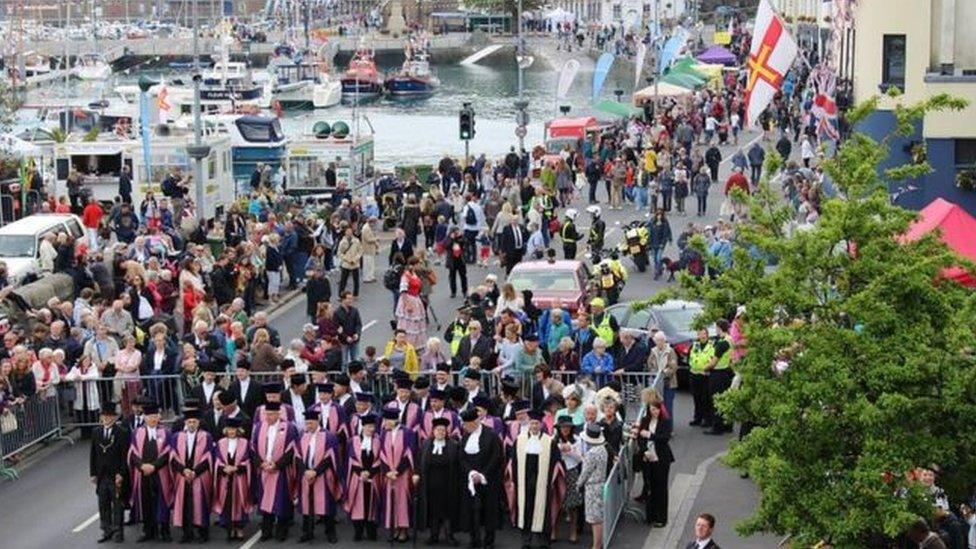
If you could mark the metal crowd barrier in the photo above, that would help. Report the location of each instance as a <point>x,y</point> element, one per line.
<point>80,408</point>
<point>620,481</point>
<point>23,425</point>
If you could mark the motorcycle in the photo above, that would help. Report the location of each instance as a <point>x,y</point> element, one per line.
<point>635,244</point>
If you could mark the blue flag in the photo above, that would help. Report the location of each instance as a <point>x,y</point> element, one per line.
<point>603,65</point>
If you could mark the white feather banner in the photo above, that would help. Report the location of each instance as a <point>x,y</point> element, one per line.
<point>566,76</point>
<point>639,63</point>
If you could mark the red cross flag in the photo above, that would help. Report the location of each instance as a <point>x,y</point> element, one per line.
<point>771,55</point>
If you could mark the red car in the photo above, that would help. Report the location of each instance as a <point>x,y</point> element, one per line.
<point>563,280</point>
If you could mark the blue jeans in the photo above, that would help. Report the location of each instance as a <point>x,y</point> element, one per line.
<point>640,197</point>
<point>350,352</point>
<point>657,254</point>
<point>669,399</point>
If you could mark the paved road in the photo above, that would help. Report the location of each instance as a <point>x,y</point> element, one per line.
<point>52,504</point>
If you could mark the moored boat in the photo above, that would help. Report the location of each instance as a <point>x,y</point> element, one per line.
<point>361,80</point>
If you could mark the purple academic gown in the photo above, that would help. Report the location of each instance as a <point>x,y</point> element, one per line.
<point>319,497</point>
<point>201,485</point>
<point>362,497</point>
<point>232,496</point>
<point>425,429</point>
<point>163,473</point>
<point>275,490</point>
<point>396,454</point>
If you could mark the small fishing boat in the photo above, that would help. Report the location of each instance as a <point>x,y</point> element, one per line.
<point>415,78</point>
<point>361,80</point>
<point>91,66</point>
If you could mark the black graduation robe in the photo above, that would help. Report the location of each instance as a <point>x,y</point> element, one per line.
<point>439,489</point>
<point>486,504</point>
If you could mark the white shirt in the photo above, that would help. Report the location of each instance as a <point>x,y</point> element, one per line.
<point>244,385</point>
<point>270,443</point>
<point>472,394</point>
<point>367,444</point>
<point>533,445</point>
<point>354,386</point>
<point>152,433</point>
<point>472,446</point>
<point>231,447</point>
<point>158,358</point>
<point>299,405</point>
<point>702,543</point>
<point>507,411</point>
<point>191,440</point>
<point>439,446</point>
<point>208,389</point>
<point>310,458</point>
<point>325,409</point>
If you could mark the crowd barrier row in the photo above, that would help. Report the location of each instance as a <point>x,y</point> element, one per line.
<point>24,424</point>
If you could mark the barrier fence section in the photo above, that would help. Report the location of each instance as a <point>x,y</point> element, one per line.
<point>25,424</point>
<point>620,482</point>
<point>80,399</point>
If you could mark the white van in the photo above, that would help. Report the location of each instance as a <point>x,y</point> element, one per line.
<point>20,241</point>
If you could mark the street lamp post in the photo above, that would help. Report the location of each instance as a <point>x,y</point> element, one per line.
<point>198,151</point>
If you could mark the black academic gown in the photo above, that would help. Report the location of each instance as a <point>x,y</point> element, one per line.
<point>485,507</point>
<point>531,463</point>
<point>439,490</point>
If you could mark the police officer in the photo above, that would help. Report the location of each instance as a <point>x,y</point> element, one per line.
<point>720,374</point>
<point>603,323</point>
<point>597,229</point>
<point>457,330</point>
<point>569,234</point>
<point>701,354</point>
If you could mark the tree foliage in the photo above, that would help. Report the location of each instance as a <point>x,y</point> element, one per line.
<point>881,376</point>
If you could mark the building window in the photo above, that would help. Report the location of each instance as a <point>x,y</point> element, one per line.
<point>893,61</point>
<point>617,12</point>
<point>965,153</point>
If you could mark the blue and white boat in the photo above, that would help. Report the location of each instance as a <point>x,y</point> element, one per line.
<point>300,82</point>
<point>414,79</point>
<point>361,80</point>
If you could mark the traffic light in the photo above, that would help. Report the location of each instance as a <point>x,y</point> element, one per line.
<point>466,123</point>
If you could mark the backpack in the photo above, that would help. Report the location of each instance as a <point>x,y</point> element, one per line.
<point>167,186</point>
<point>391,279</point>
<point>470,218</point>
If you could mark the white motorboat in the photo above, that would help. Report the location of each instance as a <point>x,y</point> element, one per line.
<point>36,64</point>
<point>91,66</point>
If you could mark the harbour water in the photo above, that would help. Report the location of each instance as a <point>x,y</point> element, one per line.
<point>418,130</point>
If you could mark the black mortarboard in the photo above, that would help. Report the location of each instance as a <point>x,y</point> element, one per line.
<point>235,422</point>
<point>150,408</point>
<point>521,406</point>
<point>226,398</point>
<point>355,366</point>
<point>443,367</point>
<point>469,415</point>
<point>191,413</point>
<point>422,382</point>
<point>441,422</point>
<point>481,401</point>
<point>341,379</point>
<point>368,419</point>
<point>272,407</point>
<point>510,388</point>
<point>273,387</point>
<point>109,409</point>
<point>459,394</point>
<point>311,414</point>
<point>391,413</point>
<point>364,397</point>
<point>471,373</point>
<point>564,421</point>
<point>437,394</point>
<point>325,387</point>
<point>298,379</point>
<point>404,383</point>
<point>537,415</point>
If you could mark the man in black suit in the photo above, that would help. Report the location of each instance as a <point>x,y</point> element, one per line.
<point>205,391</point>
<point>298,396</point>
<point>232,410</point>
<point>208,347</point>
<point>107,468</point>
<point>475,344</point>
<point>210,415</point>
<point>513,245</point>
<point>481,463</point>
<point>400,245</point>
<point>540,387</point>
<point>136,418</point>
<point>246,390</point>
<point>704,526</point>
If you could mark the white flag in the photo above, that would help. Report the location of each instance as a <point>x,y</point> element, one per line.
<point>566,76</point>
<point>639,62</point>
<point>770,57</point>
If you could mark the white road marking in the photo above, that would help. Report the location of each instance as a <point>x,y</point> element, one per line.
<point>88,522</point>
<point>252,541</point>
<point>369,325</point>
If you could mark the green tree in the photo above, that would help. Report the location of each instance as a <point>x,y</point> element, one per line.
<point>881,376</point>
<point>10,103</point>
